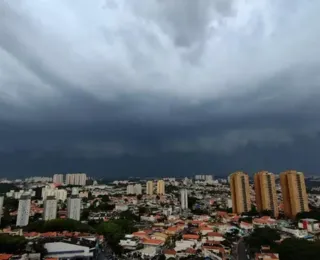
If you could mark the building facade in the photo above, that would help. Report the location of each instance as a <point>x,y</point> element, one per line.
<point>294,193</point>
<point>184,198</point>
<point>149,187</point>
<point>160,187</point>
<point>50,208</point>
<point>76,179</point>
<point>266,193</point>
<point>240,192</point>
<point>23,211</point>
<point>58,179</point>
<point>74,207</point>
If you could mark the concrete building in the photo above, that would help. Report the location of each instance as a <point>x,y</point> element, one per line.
<point>137,189</point>
<point>23,210</point>
<point>266,193</point>
<point>184,198</point>
<point>1,207</point>
<point>149,188</point>
<point>74,205</point>
<point>240,192</point>
<point>61,250</point>
<point>50,208</point>
<point>130,189</point>
<point>294,193</point>
<point>203,177</point>
<point>58,179</point>
<point>160,187</point>
<point>76,179</point>
<point>51,190</point>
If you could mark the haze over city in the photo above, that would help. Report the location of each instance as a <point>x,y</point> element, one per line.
<point>158,88</point>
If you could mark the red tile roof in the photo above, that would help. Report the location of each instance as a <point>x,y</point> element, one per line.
<point>170,252</point>
<point>191,251</point>
<point>190,236</point>
<point>5,256</point>
<point>153,242</point>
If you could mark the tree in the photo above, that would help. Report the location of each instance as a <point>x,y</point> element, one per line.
<point>12,244</point>
<point>261,237</point>
<point>58,225</point>
<point>314,214</point>
<point>296,249</point>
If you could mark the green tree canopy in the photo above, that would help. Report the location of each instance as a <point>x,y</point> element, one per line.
<point>12,244</point>
<point>59,225</point>
<point>299,249</point>
<point>261,237</point>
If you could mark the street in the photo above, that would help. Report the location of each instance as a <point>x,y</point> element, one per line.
<point>241,251</point>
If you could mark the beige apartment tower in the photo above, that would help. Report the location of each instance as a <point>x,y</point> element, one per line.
<point>240,192</point>
<point>294,193</point>
<point>160,187</point>
<point>149,188</point>
<point>266,194</point>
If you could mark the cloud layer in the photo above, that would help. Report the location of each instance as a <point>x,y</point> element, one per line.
<point>147,78</point>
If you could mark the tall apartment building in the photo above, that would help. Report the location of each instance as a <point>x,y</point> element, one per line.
<point>184,198</point>
<point>58,179</point>
<point>76,179</point>
<point>294,193</point>
<point>137,189</point>
<point>50,208</point>
<point>240,192</point>
<point>74,205</point>
<point>266,194</point>
<point>134,189</point>
<point>130,189</point>
<point>1,206</point>
<point>23,211</point>
<point>160,187</point>
<point>149,187</point>
<point>51,190</point>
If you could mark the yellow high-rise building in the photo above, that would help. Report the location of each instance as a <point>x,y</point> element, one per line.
<point>294,193</point>
<point>149,188</point>
<point>240,192</point>
<point>160,187</point>
<point>266,194</point>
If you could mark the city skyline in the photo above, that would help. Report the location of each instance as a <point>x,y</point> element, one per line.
<point>120,87</point>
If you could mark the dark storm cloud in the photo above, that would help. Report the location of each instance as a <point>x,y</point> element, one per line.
<point>157,80</point>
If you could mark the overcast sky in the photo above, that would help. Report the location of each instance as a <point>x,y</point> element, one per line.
<point>151,87</point>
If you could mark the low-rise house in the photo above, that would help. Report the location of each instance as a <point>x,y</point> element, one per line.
<point>6,256</point>
<point>170,253</point>
<point>155,243</point>
<point>264,221</point>
<point>205,230</point>
<point>311,225</point>
<point>266,256</point>
<point>214,236</point>
<point>191,237</point>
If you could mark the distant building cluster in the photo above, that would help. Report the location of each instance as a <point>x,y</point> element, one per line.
<point>78,179</point>
<point>293,189</point>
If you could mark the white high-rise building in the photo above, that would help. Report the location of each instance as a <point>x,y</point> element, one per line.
<point>76,179</point>
<point>23,211</point>
<point>130,189</point>
<point>137,189</point>
<point>1,206</point>
<point>50,208</point>
<point>51,190</point>
<point>58,179</point>
<point>184,198</point>
<point>74,205</point>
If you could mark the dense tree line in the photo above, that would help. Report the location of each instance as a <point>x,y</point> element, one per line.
<point>12,244</point>
<point>58,225</point>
